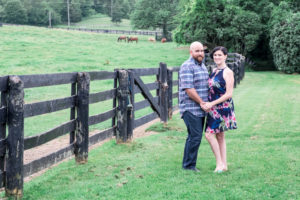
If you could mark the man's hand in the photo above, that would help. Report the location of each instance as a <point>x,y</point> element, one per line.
<point>204,107</point>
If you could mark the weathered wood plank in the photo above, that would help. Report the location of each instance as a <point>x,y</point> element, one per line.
<point>34,141</point>
<point>2,147</point>
<point>3,83</point>
<point>73,112</point>
<point>2,179</point>
<point>39,80</point>
<point>3,115</point>
<point>146,93</point>
<point>170,92</point>
<point>163,92</point>
<point>95,119</point>
<point>123,109</point>
<point>15,138</point>
<point>113,122</point>
<point>145,119</point>
<point>145,71</point>
<point>150,86</point>
<point>130,107</point>
<point>102,96</point>
<point>3,129</point>
<point>103,135</point>
<point>143,104</point>
<point>81,146</point>
<point>102,75</point>
<point>47,161</point>
<point>40,108</point>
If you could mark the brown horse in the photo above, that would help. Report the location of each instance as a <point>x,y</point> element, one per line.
<point>122,37</point>
<point>151,39</point>
<point>163,40</point>
<point>131,39</point>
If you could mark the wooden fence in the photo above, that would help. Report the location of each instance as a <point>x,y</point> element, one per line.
<point>127,83</point>
<point>156,34</point>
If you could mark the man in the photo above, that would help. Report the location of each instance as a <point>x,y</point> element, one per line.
<point>193,93</point>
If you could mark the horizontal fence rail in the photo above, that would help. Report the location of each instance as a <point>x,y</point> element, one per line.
<point>98,30</point>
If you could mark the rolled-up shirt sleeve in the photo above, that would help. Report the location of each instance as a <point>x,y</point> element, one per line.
<point>186,77</point>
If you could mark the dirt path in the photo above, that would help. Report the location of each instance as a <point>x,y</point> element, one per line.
<point>61,142</point>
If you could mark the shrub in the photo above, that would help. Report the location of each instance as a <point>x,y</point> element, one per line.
<point>14,12</point>
<point>285,43</point>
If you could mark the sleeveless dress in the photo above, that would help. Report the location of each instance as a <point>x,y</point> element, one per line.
<point>221,117</point>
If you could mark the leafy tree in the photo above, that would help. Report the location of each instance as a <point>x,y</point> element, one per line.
<point>243,30</point>
<point>99,6</point>
<point>1,13</point>
<point>218,23</point>
<point>202,20</point>
<point>86,7</point>
<point>37,11</point>
<point>75,11</point>
<point>154,14</point>
<point>14,12</point>
<point>285,40</point>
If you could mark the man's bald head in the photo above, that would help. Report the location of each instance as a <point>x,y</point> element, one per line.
<point>195,45</point>
<point>197,51</point>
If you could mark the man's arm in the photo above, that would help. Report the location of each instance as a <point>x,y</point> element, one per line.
<point>191,92</point>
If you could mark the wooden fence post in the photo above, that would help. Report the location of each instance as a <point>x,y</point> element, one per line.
<point>163,92</point>
<point>115,100</point>
<point>130,106</point>
<point>122,111</point>
<point>15,138</point>
<point>170,93</point>
<point>82,122</point>
<point>3,140</point>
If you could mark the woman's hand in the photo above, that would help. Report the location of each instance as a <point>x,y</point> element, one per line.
<point>205,106</point>
<point>209,105</point>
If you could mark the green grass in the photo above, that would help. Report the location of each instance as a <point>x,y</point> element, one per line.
<point>263,156</point>
<point>32,50</point>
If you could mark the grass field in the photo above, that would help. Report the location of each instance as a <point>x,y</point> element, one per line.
<point>263,153</point>
<point>31,50</point>
<point>263,156</point>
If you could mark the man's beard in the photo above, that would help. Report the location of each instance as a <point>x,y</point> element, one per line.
<point>199,58</point>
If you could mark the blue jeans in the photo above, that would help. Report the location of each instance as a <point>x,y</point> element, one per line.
<point>194,126</point>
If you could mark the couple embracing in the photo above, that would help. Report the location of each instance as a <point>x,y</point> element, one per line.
<point>202,95</point>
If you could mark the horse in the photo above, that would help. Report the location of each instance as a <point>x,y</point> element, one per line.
<point>131,39</point>
<point>122,37</point>
<point>151,39</point>
<point>163,40</point>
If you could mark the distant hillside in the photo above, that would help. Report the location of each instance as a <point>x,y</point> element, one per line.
<point>100,21</point>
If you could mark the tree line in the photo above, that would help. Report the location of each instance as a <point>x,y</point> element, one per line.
<point>36,12</point>
<point>268,31</point>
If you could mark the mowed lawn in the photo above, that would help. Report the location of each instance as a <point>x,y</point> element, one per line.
<point>32,50</point>
<point>263,156</point>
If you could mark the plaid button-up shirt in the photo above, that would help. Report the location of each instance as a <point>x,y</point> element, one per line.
<point>192,74</point>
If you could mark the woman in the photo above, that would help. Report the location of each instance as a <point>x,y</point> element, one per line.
<point>220,107</point>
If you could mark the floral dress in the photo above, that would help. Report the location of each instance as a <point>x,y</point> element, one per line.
<point>221,117</point>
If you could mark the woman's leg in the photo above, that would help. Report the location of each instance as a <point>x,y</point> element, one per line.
<point>222,145</point>
<point>216,150</point>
